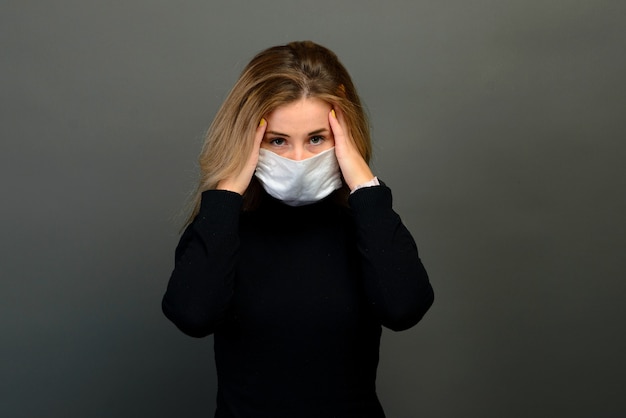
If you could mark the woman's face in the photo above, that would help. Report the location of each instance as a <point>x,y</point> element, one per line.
<point>299,130</point>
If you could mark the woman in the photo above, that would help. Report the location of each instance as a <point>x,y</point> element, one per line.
<point>293,257</point>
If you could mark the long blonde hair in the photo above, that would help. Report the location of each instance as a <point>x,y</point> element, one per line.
<point>276,76</point>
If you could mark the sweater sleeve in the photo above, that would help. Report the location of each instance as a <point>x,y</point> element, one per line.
<point>201,285</point>
<point>395,281</point>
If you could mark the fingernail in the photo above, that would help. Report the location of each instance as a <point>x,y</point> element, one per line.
<point>333,113</point>
<point>263,122</point>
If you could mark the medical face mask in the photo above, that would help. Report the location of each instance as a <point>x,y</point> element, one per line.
<point>298,183</point>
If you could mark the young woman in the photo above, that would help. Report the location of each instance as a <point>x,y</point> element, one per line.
<point>293,257</point>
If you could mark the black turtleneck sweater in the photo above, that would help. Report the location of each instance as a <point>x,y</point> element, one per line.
<point>295,298</point>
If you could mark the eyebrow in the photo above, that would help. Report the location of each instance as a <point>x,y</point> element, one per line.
<point>318,131</point>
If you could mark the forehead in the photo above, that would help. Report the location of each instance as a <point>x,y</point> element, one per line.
<point>300,114</point>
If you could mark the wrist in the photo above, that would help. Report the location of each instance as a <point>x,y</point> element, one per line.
<point>371,183</point>
<point>363,176</point>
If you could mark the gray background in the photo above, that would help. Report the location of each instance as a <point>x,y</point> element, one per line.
<point>498,124</point>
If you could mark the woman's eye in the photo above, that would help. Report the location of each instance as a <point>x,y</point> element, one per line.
<point>277,141</point>
<point>315,140</point>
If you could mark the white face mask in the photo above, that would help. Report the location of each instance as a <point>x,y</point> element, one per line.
<point>298,183</point>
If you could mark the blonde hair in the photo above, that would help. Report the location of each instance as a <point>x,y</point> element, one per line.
<point>276,76</point>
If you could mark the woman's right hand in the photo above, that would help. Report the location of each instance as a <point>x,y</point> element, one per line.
<point>239,182</point>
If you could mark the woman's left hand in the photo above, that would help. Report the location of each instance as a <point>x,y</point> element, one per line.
<point>353,167</point>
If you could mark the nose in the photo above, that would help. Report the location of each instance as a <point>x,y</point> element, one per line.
<point>298,153</point>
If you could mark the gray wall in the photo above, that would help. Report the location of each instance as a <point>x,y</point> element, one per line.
<point>498,124</point>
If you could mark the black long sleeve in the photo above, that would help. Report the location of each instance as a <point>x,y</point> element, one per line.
<point>397,283</point>
<point>201,285</point>
<point>296,297</point>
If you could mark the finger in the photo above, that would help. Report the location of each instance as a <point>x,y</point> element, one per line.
<point>353,167</point>
<point>258,138</point>
<point>338,113</point>
<point>336,126</point>
<point>260,131</point>
<point>344,143</point>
